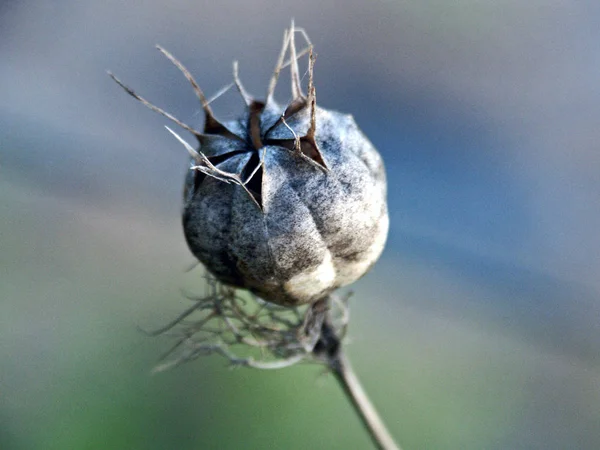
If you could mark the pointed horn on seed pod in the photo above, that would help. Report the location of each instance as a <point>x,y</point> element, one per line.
<point>278,67</point>
<point>248,99</point>
<point>205,166</point>
<point>211,124</point>
<point>294,71</point>
<point>153,107</point>
<point>306,146</point>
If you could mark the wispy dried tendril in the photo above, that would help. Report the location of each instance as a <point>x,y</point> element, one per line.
<point>248,331</point>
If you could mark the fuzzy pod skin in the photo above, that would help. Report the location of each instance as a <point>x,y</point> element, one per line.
<point>317,230</point>
<point>287,202</point>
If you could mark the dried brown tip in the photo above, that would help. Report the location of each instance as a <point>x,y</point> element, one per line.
<point>238,84</point>
<point>289,43</point>
<point>205,166</point>
<point>302,52</point>
<point>220,92</point>
<point>294,71</point>
<point>299,55</point>
<point>305,146</point>
<point>211,124</point>
<point>190,78</point>
<point>311,71</point>
<point>153,107</point>
<point>299,101</point>
<point>278,67</point>
<point>309,144</point>
<point>312,97</point>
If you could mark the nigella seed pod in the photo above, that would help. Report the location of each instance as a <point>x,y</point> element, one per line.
<point>287,202</point>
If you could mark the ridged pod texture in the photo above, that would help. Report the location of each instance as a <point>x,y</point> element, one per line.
<point>317,229</point>
<point>289,203</point>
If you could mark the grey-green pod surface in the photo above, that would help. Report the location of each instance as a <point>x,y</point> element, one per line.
<point>310,230</point>
<point>287,202</point>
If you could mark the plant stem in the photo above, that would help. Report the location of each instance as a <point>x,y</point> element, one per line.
<point>329,347</point>
<point>345,375</point>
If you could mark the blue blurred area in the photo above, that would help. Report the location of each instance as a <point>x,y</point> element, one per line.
<point>479,328</point>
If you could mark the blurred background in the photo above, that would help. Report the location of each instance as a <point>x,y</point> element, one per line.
<point>479,327</point>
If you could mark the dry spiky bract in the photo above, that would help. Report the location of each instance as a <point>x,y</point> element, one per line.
<point>287,202</point>
<point>250,332</point>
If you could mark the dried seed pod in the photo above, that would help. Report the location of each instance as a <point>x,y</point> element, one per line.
<point>288,202</point>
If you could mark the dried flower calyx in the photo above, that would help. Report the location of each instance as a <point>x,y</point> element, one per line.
<point>288,202</point>
<point>250,332</point>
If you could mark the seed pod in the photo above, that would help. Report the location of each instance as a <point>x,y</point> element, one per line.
<point>287,202</point>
